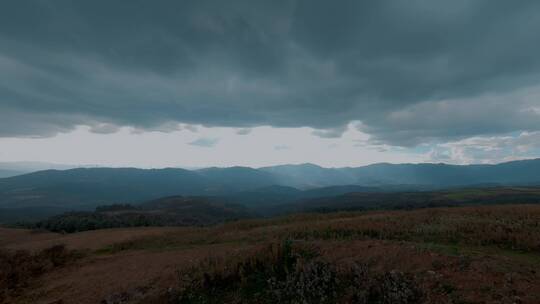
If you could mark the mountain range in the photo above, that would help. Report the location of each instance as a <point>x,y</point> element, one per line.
<point>86,188</point>
<point>9,169</point>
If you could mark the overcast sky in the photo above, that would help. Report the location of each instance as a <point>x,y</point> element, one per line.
<point>201,83</point>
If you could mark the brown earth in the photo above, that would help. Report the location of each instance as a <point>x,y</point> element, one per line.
<point>37,240</point>
<point>452,253</point>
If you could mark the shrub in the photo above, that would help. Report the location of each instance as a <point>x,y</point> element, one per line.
<point>290,272</point>
<point>311,282</point>
<point>395,288</point>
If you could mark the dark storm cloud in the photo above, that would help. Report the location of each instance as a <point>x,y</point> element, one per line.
<point>410,71</point>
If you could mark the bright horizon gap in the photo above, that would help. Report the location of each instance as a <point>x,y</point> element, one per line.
<point>199,147</point>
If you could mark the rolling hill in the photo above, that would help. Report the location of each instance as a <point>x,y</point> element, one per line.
<point>86,188</point>
<point>168,211</point>
<point>9,173</point>
<point>357,201</point>
<point>90,187</point>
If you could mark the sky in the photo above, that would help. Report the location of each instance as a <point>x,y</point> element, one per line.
<point>257,83</point>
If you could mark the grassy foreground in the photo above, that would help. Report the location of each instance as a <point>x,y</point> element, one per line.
<point>488,254</point>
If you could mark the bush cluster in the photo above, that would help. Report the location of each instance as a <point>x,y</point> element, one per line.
<point>291,273</point>
<point>82,221</point>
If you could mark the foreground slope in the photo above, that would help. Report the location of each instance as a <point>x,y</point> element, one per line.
<point>441,255</point>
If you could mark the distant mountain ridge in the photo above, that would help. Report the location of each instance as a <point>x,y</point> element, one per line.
<point>383,174</point>
<point>9,173</point>
<point>9,169</point>
<point>90,187</point>
<point>86,188</point>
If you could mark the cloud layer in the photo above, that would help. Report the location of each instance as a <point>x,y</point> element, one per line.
<point>215,146</point>
<point>411,72</point>
<point>491,149</point>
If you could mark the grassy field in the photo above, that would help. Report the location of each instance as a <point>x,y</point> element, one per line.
<point>488,254</point>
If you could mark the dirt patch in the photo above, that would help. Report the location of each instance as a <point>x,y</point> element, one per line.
<point>17,239</point>
<point>146,273</point>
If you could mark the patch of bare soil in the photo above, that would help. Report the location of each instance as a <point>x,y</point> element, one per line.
<point>24,239</point>
<point>131,276</point>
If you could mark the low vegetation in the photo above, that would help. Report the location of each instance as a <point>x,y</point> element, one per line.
<point>511,227</point>
<point>392,200</point>
<point>71,222</point>
<point>485,254</point>
<point>205,211</point>
<point>419,256</point>
<point>507,227</point>
<point>291,273</point>
<point>18,269</point>
<point>169,211</point>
